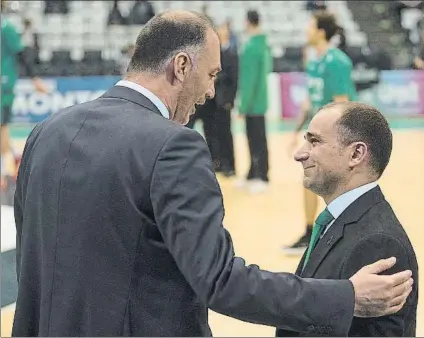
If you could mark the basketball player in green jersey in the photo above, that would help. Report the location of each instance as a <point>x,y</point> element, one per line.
<point>329,80</point>
<point>11,57</point>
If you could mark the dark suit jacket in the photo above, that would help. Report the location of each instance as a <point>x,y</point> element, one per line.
<point>119,232</point>
<point>365,232</point>
<point>227,81</point>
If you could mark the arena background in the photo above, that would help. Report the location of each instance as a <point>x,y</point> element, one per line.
<point>79,50</point>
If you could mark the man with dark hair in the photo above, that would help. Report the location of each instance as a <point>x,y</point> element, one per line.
<point>329,80</point>
<point>119,215</point>
<point>347,149</point>
<point>255,65</point>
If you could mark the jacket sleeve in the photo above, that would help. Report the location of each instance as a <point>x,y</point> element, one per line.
<point>188,209</point>
<point>367,251</point>
<point>17,197</point>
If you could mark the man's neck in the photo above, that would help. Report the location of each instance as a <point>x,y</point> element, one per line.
<point>255,31</point>
<point>344,188</point>
<point>157,85</point>
<point>322,48</point>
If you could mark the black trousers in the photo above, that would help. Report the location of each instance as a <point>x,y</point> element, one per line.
<point>258,147</point>
<point>207,114</point>
<point>217,130</point>
<point>225,140</point>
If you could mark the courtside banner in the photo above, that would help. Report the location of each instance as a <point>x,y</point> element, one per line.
<point>33,107</point>
<point>396,93</point>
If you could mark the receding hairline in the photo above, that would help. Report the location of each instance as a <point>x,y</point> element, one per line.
<point>186,16</point>
<point>345,107</point>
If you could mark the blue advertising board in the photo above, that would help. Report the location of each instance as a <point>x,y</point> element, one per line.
<point>33,107</point>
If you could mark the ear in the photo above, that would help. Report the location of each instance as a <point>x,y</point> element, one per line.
<point>358,153</point>
<point>182,65</point>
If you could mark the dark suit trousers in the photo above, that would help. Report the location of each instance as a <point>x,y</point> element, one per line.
<point>225,139</point>
<point>257,140</point>
<point>207,114</point>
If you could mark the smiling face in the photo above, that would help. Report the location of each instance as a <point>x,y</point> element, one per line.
<point>326,162</point>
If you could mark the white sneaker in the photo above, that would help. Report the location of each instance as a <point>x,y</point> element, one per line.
<point>241,183</point>
<point>257,186</point>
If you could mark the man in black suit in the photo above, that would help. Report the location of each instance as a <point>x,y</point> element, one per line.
<point>216,113</point>
<point>347,149</point>
<point>225,95</point>
<point>119,215</point>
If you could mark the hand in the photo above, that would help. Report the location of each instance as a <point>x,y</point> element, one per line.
<point>377,296</point>
<point>39,86</point>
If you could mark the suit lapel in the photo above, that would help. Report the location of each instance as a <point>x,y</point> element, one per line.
<point>323,247</point>
<point>335,233</point>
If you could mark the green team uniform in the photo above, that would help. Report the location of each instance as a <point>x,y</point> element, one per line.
<point>255,65</point>
<point>329,76</point>
<point>10,46</point>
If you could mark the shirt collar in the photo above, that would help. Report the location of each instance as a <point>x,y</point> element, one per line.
<point>147,93</point>
<point>338,205</point>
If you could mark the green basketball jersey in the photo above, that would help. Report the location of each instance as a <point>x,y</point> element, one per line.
<point>329,76</point>
<point>10,46</point>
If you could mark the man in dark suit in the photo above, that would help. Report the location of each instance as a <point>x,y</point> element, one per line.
<point>347,149</point>
<point>207,114</point>
<point>119,215</point>
<point>225,95</point>
<point>216,113</point>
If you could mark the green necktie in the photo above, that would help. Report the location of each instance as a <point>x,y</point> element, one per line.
<point>321,222</point>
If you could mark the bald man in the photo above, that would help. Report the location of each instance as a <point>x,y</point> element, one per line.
<point>119,215</point>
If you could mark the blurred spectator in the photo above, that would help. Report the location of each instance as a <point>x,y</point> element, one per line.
<point>216,113</point>
<point>255,65</point>
<point>419,55</point>
<point>56,7</point>
<point>126,54</point>
<point>314,5</point>
<point>29,40</point>
<point>206,113</point>
<point>115,16</point>
<point>225,94</point>
<point>29,37</point>
<point>399,6</point>
<point>141,13</point>
<point>233,36</point>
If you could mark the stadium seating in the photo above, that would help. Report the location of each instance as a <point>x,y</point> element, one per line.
<point>74,36</point>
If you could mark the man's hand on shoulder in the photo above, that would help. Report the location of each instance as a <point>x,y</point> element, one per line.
<point>381,285</point>
<point>377,295</point>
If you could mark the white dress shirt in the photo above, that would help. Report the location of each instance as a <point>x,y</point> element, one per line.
<point>338,205</point>
<point>147,93</point>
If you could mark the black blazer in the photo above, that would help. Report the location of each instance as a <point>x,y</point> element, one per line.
<point>365,232</point>
<point>227,81</point>
<point>119,233</point>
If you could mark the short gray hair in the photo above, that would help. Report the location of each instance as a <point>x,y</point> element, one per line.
<point>164,36</point>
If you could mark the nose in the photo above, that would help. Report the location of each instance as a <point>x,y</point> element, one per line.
<point>211,92</point>
<point>301,154</point>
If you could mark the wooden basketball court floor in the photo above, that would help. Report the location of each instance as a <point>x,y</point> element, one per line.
<point>261,224</point>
